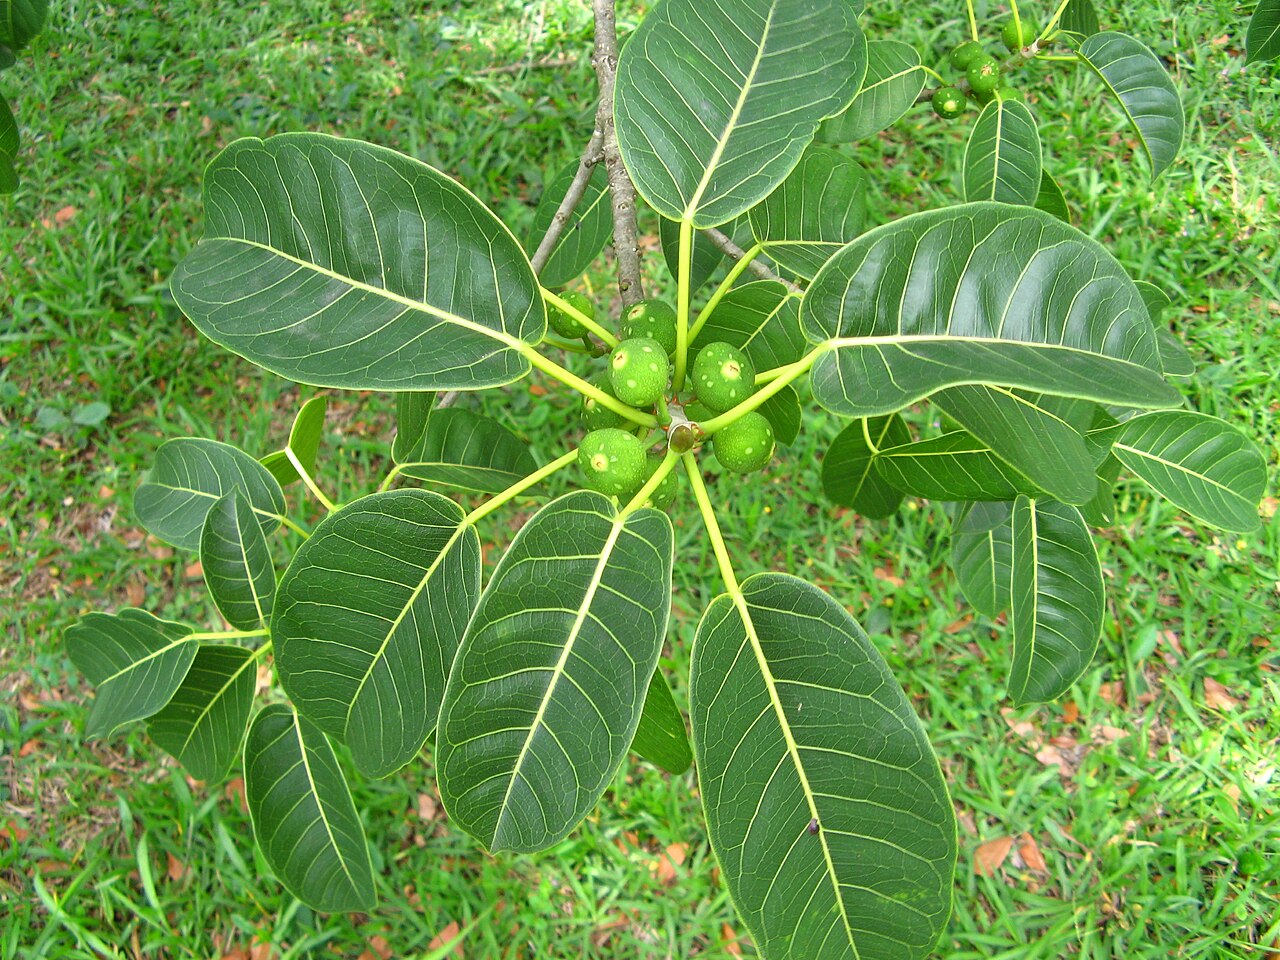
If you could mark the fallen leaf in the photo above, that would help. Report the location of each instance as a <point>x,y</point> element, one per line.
<point>672,857</point>
<point>537,389</point>
<point>1216,696</point>
<point>988,857</point>
<point>28,748</point>
<point>729,939</point>
<point>1030,853</point>
<point>889,577</point>
<point>378,949</point>
<point>1108,734</point>
<point>1070,712</point>
<point>1112,692</point>
<point>177,869</point>
<point>65,214</point>
<point>1051,756</point>
<point>234,790</point>
<point>445,937</point>
<point>427,806</point>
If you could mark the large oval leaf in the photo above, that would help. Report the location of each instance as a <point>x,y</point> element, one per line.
<point>135,660</point>
<point>1002,160</point>
<point>761,318</point>
<point>460,448</point>
<point>820,207</point>
<point>981,554</point>
<point>716,101</point>
<point>190,475</point>
<point>585,232</point>
<point>954,466</point>
<point>977,293</point>
<point>1140,83</point>
<point>237,563</point>
<point>660,737</point>
<point>547,689</point>
<point>305,823</point>
<point>1262,42</point>
<point>342,264</point>
<point>825,804</point>
<point>368,619</point>
<point>1205,466</point>
<point>893,82</point>
<point>203,726</point>
<point>848,477</point>
<point>1056,599</point>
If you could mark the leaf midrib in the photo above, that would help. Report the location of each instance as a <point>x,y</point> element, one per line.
<point>324,817</point>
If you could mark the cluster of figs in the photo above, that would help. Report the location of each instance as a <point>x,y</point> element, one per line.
<point>616,457</point>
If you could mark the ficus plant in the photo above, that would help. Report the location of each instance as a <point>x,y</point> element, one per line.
<point>986,354</point>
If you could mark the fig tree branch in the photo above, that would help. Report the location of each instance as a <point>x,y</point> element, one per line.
<point>1020,59</point>
<point>590,157</point>
<point>621,190</point>
<point>726,245</point>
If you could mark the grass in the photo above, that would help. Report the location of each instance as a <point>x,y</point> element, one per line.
<point>1151,794</point>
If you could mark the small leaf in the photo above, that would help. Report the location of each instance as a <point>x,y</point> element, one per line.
<point>189,476</point>
<point>1056,600</point>
<point>135,660</point>
<point>1080,18</point>
<point>825,804</point>
<point>847,475</point>
<point>469,450</point>
<point>304,441</point>
<point>303,818</point>
<point>1139,81</point>
<point>585,232</point>
<point>894,81</point>
<point>413,410</point>
<point>1051,199</point>
<point>1002,159</point>
<point>1262,42</point>
<point>981,556</point>
<point>91,414</point>
<point>368,619</point>
<point>761,318</point>
<point>820,207</point>
<point>203,726</point>
<point>661,738</point>
<point>783,412</point>
<point>715,102</point>
<point>237,563</point>
<point>547,688</point>
<point>1205,466</point>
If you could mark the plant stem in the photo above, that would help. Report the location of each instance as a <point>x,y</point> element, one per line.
<point>621,191</point>
<point>573,196</point>
<point>311,484</point>
<point>561,304</point>
<point>942,81</point>
<point>748,257</point>
<point>784,376</point>
<point>1052,25</point>
<point>1017,20</point>
<point>1020,58</point>
<point>291,525</point>
<point>866,435</point>
<point>228,634</point>
<point>973,21</point>
<point>262,651</point>
<point>569,379</point>
<point>683,285</point>
<point>659,474</point>
<point>517,488</point>
<point>725,243</point>
<point>713,527</point>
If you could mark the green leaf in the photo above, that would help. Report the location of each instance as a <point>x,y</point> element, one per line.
<point>341,264</point>
<point>1101,510</point>
<point>715,102</point>
<point>203,726</point>
<point>1080,18</point>
<point>468,450</point>
<point>1056,600</point>
<point>796,719</point>
<point>20,20</point>
<point>135,660</point>
<point>1002,159</point>
<point>413,410</point>
<point>1051,199</point>
<point>190,475</point>
<point>237,563</point>
<point>848,479</point>
<point>1174,356</point>
<point>783,412</point>
<point>1205,466</point>
<point>304,441</point>
<point>547,688</point>
<point>1262,42</point>
<point>7,57</point>
<point>1139,81</point>
<point>954,466</point>
<point>8,149</point>
<point>761,318</point>
<point>982,554</point>
<point>820,207</point>
<point>303,818</point>
<point>586,231</point>
<point>1041,446</point>
<point>660,738</point>
<point>368,619</point>
<point>707,257</point>
<point>978,293</point>
<point>893,82</point>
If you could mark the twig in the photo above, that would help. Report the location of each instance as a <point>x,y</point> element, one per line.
<point>621,190</point>
<point>1019,59</point>
<point>543,64</point>
<point>590,157</point>
<point>726,244</point>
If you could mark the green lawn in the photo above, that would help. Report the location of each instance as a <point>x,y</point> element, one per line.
<point>1144,811</point>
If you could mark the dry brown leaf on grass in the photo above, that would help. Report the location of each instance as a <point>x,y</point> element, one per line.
<point>1216,696</point>
<point>446,937</point>
<point>672,858</point>
<point>378,949</point>
<point>990,855</point>
<point>1030,853</point>
<point>427,806</point>
<point>729,938</point>
<point>177,869</point>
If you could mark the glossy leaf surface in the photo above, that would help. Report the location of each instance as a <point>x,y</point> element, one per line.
<point>203,726</point>
<point>368,618</point>
<point>848,475</point>
<point>303,818</point>
<point>715,102</point>
<point>953,466</point>
<point>461,448</point>
<point>761,318</point>
<point>547,688</point>
<point>981,556</point>
<point>189,476</point>
<point>342,264</point>
<point>304,442</point>
<point>661,737</point>
<point>1262,41</point>
<point>1080,18</point>
<point>1051,199</point>
<point>586,231</point>
<point>783,412</point>
<point>894,80</point>
<point>797,719</point>
<point>1002,160</point>
<point>237,563</point>
<point>413,410</point>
